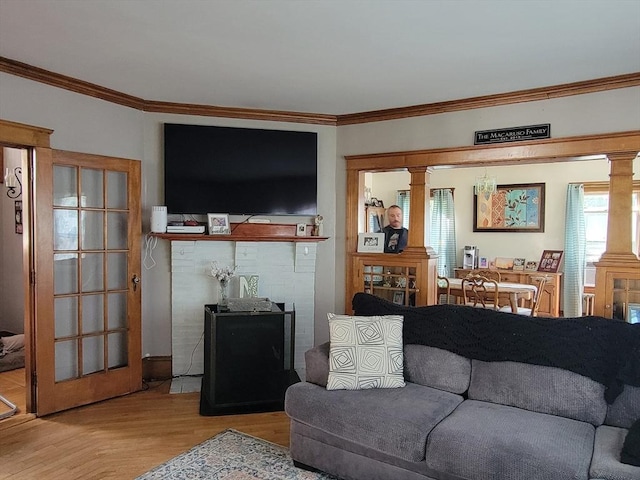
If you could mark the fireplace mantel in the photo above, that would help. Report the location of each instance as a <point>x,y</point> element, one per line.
<point>249,232</point>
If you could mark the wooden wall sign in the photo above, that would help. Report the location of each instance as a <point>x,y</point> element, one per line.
<point>513,134</point>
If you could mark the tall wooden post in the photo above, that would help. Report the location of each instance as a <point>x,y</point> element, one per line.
<point>618,247</point>
<point>618,265</point>
<point>417,199</point>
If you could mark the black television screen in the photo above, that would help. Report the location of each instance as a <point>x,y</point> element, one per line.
<point>242,171</point>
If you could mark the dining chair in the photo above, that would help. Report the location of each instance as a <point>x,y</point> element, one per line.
<point>444,290</point>
<point>532,310</point>
<point>490,274</point>
<point>480,292</point>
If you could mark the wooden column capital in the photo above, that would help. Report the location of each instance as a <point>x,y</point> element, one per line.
<point>614,157</point>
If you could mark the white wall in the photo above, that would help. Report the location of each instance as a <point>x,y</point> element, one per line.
<point>555,176</point>
<point>385,185</point>
<point>11,285</point>
<point>157,283</point>
<point>286,273</point>
<point>90,125</point>
<point>602,112</point>
<point>79,123</point>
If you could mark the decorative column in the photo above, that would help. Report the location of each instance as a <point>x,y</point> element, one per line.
<point>618,250</point>
<point>618,270</point>
<point>416,245</point>
<point>418,189</point>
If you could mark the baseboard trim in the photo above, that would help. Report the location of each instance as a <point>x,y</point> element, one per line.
<point>156,368</point>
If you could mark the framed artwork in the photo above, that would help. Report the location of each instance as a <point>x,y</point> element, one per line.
<point>518,263</point>
<point>371,242</point>
<point>248,286</point>
<point>511,208</point>
<point>398,298</point>
<point>218,224</point>
<point>503,263</point>
<point>483,262</point>
<point>550,261</point>
<point>301,230</point>
<point>531,266</point>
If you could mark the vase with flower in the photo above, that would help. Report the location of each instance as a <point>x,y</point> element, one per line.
<point>223,275</point>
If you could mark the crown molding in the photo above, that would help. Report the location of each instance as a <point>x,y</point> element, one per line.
<point>234,112</point>
<point>68,83</point>
<point>521,96</point>
<point>30,72</point>
<point>37,74</point>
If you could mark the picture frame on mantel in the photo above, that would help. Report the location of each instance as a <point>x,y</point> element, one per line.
<point>218,224</point>
<point>511,208</point>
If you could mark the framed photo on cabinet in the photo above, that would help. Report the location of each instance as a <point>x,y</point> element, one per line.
<point>219,224</point>
<point>550,261</point>
<point>370,242</point>
<point>398,298</point>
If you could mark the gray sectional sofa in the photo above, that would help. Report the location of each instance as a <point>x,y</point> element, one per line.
<point>474,406</point>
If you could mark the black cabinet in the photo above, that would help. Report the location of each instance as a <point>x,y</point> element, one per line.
<point>248,361</point>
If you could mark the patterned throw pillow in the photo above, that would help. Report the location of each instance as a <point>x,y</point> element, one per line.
<point>365,352</point>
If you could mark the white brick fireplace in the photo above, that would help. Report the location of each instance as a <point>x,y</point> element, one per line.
<point>286,272</point>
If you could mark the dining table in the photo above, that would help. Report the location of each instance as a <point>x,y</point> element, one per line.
<point>508,292</point>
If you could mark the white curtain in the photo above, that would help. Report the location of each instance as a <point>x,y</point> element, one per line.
<point>402,200</point>
<point>443,230</point>
<point>575,242</point>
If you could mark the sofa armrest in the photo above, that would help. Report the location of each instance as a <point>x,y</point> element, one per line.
<point>317,364</point>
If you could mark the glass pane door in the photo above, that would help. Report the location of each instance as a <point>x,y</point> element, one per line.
<point>90,273</point>
<point>87,256</point>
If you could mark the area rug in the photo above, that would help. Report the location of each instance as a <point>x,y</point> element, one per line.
<point>233,455</point>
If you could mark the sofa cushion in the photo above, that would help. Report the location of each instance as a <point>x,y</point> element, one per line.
<point>365,352</point>
<point>479,439</point>
<point>316,362</point>
<point>436,368</point>
<point>605,351</point>
<point>395,421</point>
<point>626,409</point>
<point>606,463</point>
<point>539,389</point>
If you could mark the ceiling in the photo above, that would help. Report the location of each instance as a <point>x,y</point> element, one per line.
<point>323,56</point>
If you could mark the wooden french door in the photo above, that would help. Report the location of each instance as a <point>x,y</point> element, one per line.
<point>86,296</point>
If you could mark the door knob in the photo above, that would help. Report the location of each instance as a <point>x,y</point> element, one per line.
<point>135,280</point>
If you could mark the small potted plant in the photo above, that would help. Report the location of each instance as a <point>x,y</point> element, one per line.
<point>223,275</point>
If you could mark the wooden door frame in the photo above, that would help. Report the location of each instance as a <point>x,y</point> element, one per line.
<point>37,141</point>
<point>607,145</point>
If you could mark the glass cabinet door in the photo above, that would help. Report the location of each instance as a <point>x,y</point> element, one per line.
<point>625,302</point>
<point>394,283</point>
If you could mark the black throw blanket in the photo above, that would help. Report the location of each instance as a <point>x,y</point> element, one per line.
<point>631,448</point>
<point>606,351</point>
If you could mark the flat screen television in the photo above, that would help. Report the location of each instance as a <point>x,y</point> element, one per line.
<point>242,171</point>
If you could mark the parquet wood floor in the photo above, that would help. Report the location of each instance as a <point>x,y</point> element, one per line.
<point>121,438</point>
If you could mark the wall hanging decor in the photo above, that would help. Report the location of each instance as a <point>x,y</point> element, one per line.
<point>511,208</point>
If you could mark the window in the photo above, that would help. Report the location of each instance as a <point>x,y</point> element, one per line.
<point>402,200</point>
<point>596,212</point>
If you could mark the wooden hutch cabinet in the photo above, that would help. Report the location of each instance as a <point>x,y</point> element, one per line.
<point>400,278</point>
<point>550,300</point>
<point>619,288</point>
